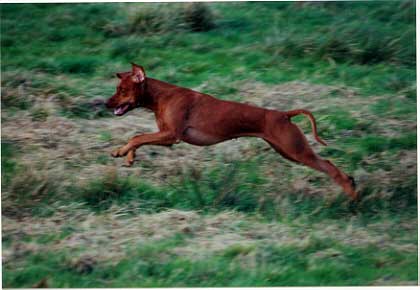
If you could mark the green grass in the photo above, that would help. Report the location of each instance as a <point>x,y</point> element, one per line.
<point>248,192</point>
<point>154,265</point>
<point>262,50</point>
<point>8,165</point>
<point>58,60</point>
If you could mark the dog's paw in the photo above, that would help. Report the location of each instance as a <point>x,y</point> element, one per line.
<point>130,159</point>
<point>115,153</point>
<point>353,182</point>
<point>120,152</point>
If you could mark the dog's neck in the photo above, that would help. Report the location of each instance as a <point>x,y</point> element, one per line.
<point>152,92</point>
<point>146,98</point>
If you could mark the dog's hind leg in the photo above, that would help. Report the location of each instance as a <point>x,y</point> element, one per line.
<point>289,141</point>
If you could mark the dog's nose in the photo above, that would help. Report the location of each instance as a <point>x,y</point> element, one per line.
<point>112,102</point>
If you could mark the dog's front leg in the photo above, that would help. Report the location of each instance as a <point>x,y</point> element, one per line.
<point>130,158</point>
<point>164,138</point>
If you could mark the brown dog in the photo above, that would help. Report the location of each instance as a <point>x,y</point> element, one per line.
<point>199,119</point>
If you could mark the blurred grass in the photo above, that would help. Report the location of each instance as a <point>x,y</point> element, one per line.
<point>339,37</point>
<point>248,192</point>
<point>264,265</point>
<point>58,60</point>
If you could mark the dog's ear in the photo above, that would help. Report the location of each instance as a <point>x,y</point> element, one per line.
<point>138,73</point>
<point>119,75</point>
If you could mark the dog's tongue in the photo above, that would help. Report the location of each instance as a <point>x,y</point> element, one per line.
<point>120,110</point>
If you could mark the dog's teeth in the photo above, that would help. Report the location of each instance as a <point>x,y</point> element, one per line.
<point>120,110</point>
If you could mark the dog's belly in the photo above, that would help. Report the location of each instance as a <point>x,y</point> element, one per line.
<point>200,138</point>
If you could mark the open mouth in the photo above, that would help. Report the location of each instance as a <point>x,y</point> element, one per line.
<point>121,110</point>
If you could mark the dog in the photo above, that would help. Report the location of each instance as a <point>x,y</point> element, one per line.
<point>184,115</point>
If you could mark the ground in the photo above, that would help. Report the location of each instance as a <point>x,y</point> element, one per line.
<point>233,214</point>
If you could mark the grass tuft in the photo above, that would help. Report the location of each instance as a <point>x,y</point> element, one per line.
<point>234,214</point>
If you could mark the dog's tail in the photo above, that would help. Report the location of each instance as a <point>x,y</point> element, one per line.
<point>293,113</point>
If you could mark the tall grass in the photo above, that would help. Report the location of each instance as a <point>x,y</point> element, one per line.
<point>58,60</point>
<point>353,43</point>
<point>240,186</point>
<point>347,38</point>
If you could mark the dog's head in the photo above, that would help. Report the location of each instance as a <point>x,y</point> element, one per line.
<point>129,90</point>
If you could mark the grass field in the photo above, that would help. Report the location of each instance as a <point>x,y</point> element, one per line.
<point>234,214</point>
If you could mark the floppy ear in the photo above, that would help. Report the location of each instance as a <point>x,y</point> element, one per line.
<point>119,75</point>
<point>138,73</point>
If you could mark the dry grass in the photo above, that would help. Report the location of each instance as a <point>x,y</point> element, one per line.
<point>109,237</point>
<point>80,142</point>
<point>71,212</point>
<point>67,150</point>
